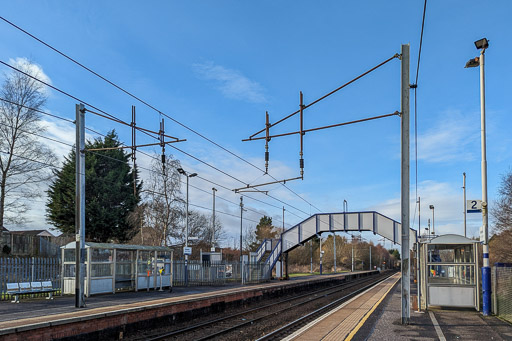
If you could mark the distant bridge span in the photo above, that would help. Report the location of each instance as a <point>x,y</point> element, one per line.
<point>299,234</point>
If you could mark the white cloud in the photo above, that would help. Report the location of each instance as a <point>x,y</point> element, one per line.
<point>232,83</point>
<point>450,140</point>
<point>32,69</point>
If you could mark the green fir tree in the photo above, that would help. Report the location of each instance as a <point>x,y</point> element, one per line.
<point>109,193</point>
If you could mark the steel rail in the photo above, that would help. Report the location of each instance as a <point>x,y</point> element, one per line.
<point>286,329</point>
<point>330,290</point>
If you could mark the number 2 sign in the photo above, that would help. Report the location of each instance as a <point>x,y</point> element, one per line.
<point>474,206</point>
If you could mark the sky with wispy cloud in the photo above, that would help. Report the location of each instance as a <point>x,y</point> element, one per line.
<point>217,67</point>
<point>231,83</point>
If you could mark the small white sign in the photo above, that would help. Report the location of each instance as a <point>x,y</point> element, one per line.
<point>474,206</point>
<point>482,234</point>
<point>187,250</point>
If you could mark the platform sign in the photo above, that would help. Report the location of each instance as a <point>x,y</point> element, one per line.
<point>474,206</point>
<point>482,234</point>
<point>187,250</point>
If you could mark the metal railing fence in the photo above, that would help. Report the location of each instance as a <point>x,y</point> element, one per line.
<point>28,269</point>
<point>502,292</point>
<point>218,273</point>
<point>35,269</point>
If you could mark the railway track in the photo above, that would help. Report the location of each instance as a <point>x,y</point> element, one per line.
<point>268,319</point>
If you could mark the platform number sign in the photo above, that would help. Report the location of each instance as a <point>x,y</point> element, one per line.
<point>474,206</point>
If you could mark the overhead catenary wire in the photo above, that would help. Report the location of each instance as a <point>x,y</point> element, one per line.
<point>327,95</point>
<point>148,105</point>
<point>119,121</point>
<point>416,110</point>
<point>301,132</point>
<point>49,114</point>
<point>55,167</point>
<point>99,154</point>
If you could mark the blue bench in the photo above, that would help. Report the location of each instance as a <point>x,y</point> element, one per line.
<point>24,288</point>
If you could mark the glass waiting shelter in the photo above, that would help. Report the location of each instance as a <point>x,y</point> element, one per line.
<point>449,272</point>
<point>111,268</point>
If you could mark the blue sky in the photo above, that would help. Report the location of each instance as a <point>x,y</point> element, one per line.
<point>217,66</point>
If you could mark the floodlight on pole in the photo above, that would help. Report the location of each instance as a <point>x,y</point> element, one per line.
<point>433,221</point>
<point>482,45</point>
<point>473,62</point>
<point>183,172</point>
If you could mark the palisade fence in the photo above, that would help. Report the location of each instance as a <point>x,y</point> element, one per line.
<point>218,273</point>
<point>28,269</point>
<point>502,292</point>
<point>37,269</point>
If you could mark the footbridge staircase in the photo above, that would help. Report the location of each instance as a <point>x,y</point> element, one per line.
<point>271,249</point>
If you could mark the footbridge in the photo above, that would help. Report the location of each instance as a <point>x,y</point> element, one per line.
<point>370,221</point>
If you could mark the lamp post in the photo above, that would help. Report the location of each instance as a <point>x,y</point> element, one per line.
<point>433,225</point>
<point>464,194</point>
<point>213,221</point>
<point>182,172</point>
<point>321,253</point>
<point>482,45</point>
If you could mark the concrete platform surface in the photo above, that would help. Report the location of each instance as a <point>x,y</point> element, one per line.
<point>435,324</point>
<point>340,322</point>
<point>41,319</point>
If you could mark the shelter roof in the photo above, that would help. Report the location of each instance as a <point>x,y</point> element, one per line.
<point>112,246</point>
<point>451,239</point>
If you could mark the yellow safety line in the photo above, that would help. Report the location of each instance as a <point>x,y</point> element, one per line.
<point>363,320</point>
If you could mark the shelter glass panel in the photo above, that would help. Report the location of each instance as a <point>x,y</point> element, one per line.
<point>124,256</point>
<point>145,260</point>
<point>101,270</point>
<point>69,270</point>
<point>101,255</point>
<point>69,255</point>
<point>451,274</point>
<point>450,253</point>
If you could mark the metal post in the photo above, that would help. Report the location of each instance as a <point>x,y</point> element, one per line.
<point>352,253</point>
<point>486,270</point>
<point>370,258</point>
<point>213,221</point>
<point>282,257</point>
<point>301,161</point>
<point>464,189</point>
<point>80,206</point>
<point>311,254</point>
<point>186,238</point>
<point>433,221</point>
<point>418,279</point>
<point>241,214</point>
<point>334,242</point>
<point>406,271</point>
<point>320,237</point>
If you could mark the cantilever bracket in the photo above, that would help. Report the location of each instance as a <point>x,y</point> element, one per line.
<point>237,190</point>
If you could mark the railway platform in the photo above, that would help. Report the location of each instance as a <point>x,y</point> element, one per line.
<point>107,316</point>
<point>376,313</point>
